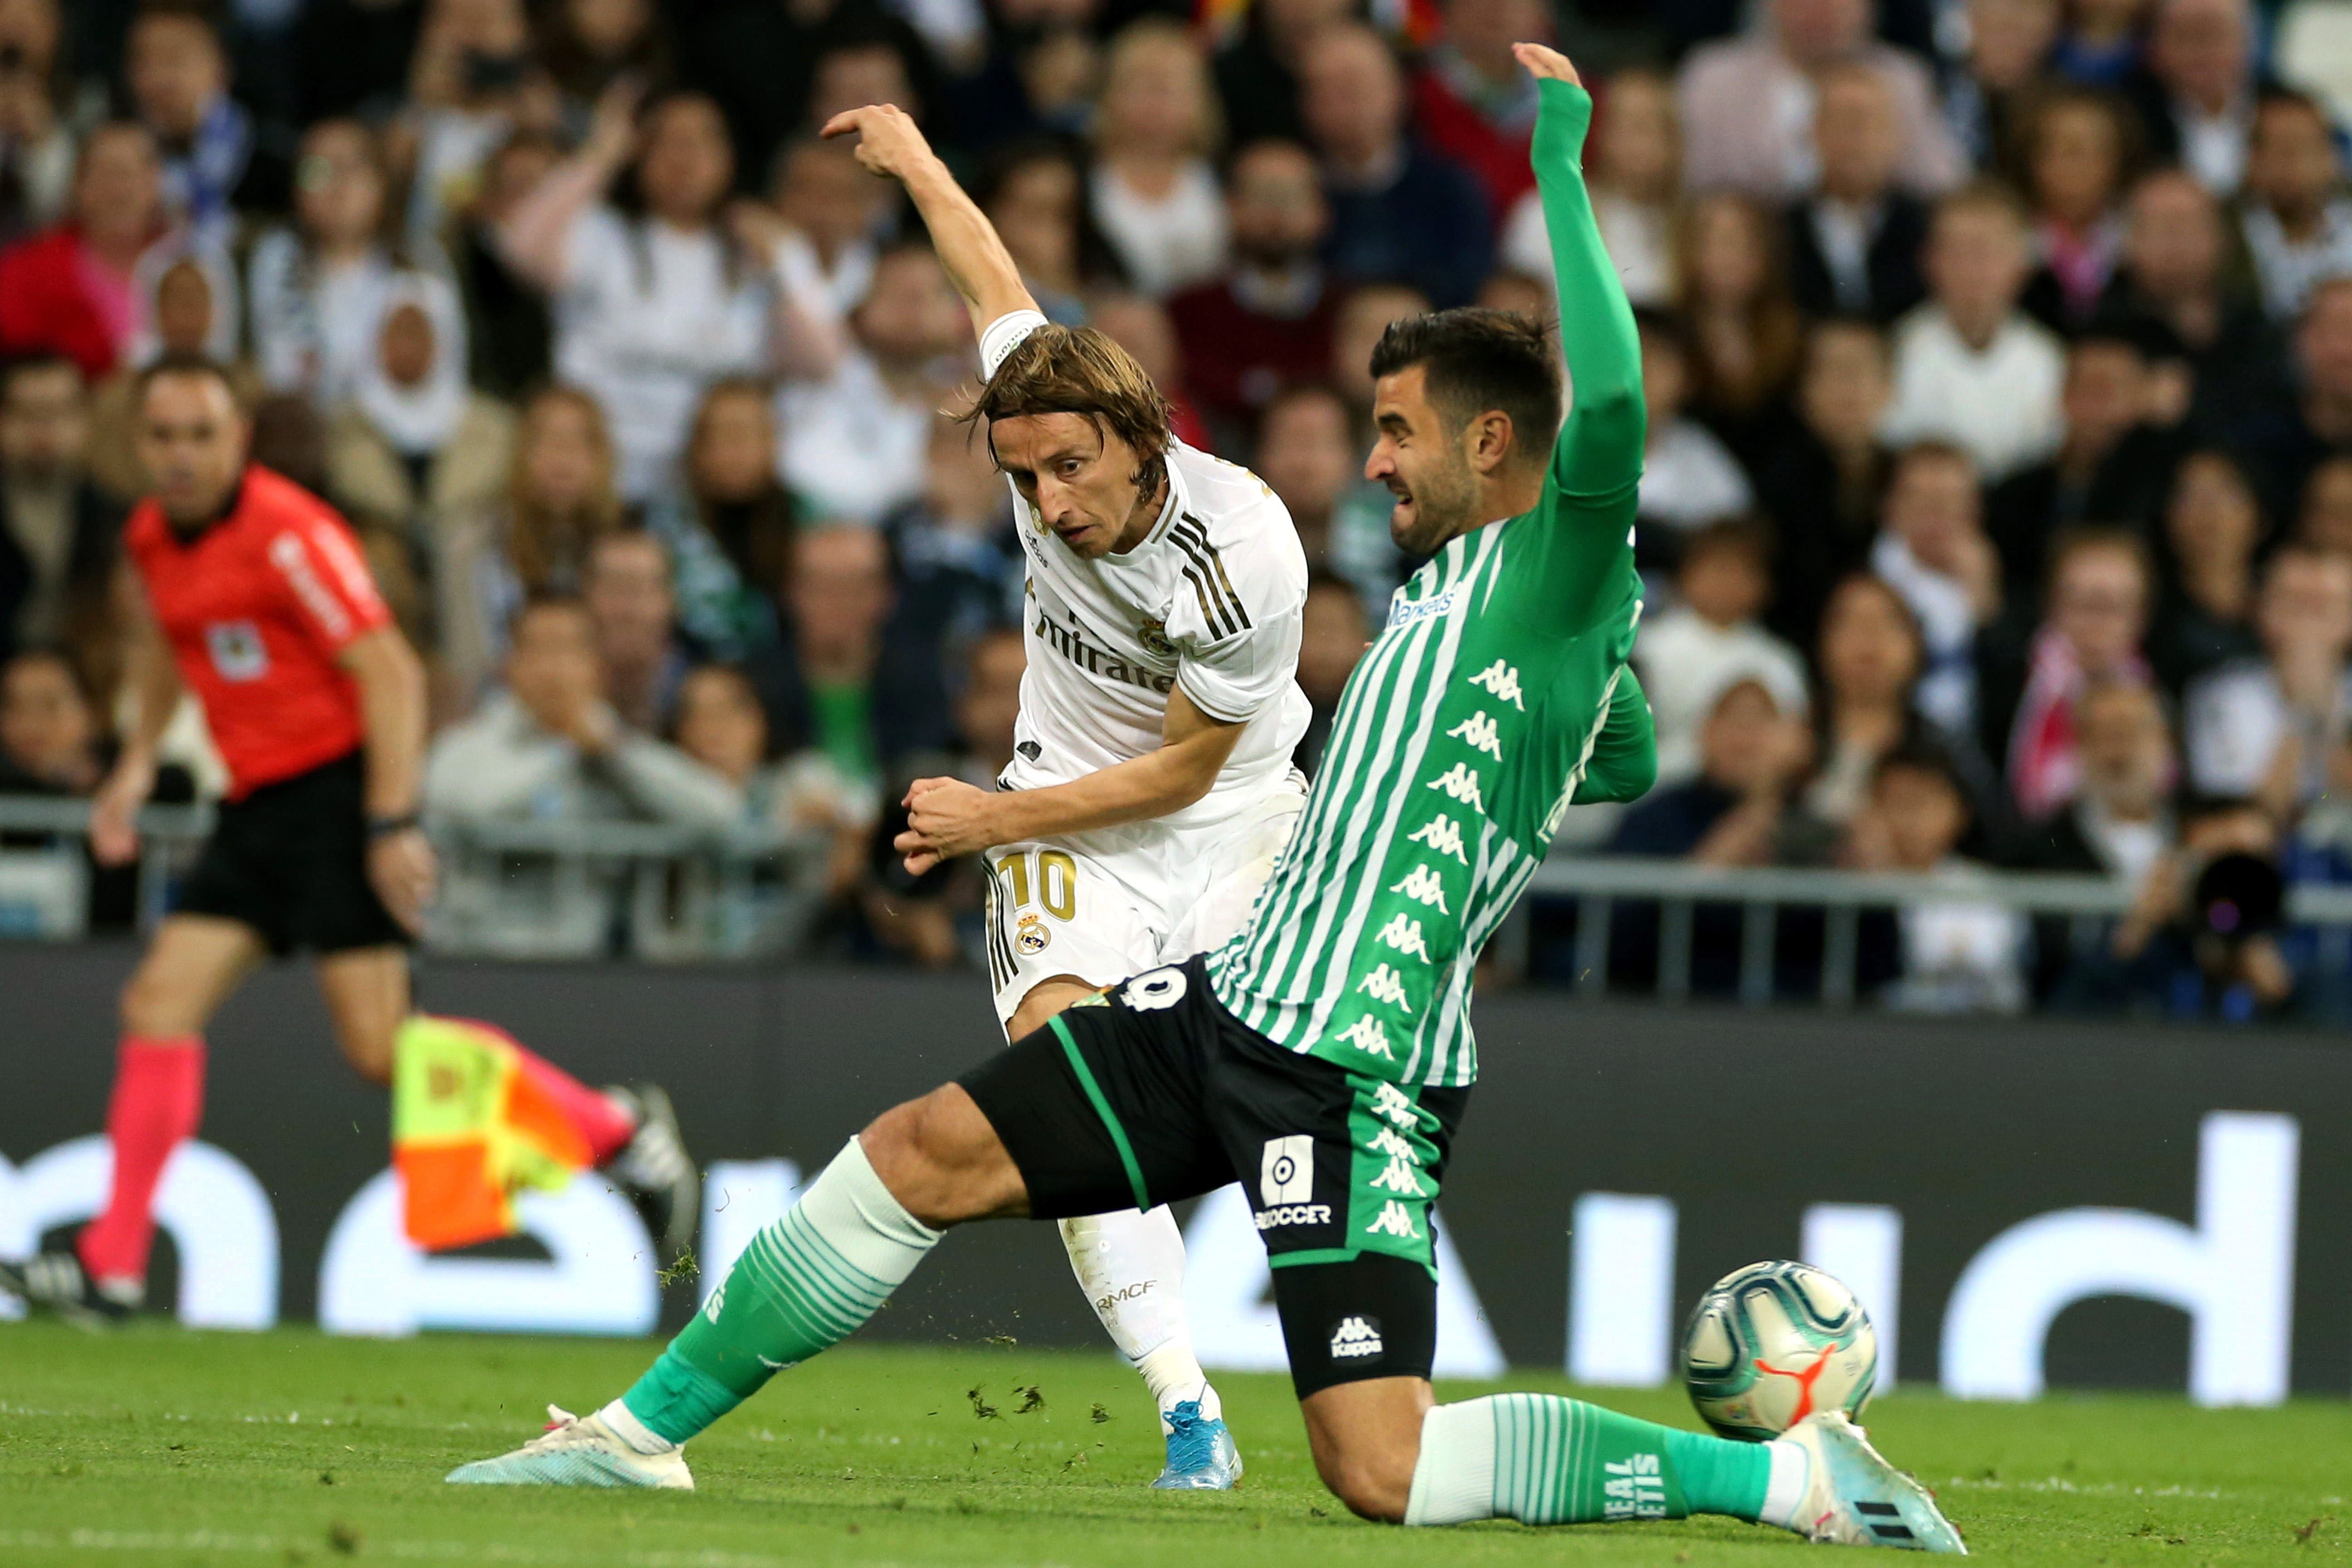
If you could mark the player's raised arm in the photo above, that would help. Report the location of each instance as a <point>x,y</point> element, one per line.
<point>1599,452</point>
<point>889,143</point>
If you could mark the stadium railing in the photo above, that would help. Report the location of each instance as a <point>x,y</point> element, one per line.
<point>688,894</point>
<point>676,893</point>
<point>1677,888</point>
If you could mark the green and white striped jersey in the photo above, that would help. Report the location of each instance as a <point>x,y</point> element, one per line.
<point>1498,694</point>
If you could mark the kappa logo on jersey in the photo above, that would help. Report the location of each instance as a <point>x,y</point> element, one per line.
<point>1153,635</point>
<point>1386,1142</point>
<point>1393,1220</point>
<point>1460,784</point>
<point>1368,1037</point>
<point>1399,1176</point>
<point>1031,936</point>
<point>1404,934</point>
<point>1443,836</point>
<point>1150,993</point>
<point>1385,985</point>
<point>238,650</point>
<point>1356,1338</point>
<point>1392,1102</point>
<point>1285,1172</point>
<point>1480,733</point>
<point>1422,886</point>
<point>1503,681</point>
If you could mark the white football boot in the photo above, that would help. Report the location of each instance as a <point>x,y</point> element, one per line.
<point>577,1451</point>
<point>1855,1498</point>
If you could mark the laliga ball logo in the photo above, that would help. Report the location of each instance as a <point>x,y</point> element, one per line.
<point>1770,1344</point>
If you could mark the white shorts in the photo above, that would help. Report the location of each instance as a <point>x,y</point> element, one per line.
<point>1104,905</point>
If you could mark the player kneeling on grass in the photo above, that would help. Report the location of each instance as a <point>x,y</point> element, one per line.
<point>1324,1055</point>
<point>256,598</point>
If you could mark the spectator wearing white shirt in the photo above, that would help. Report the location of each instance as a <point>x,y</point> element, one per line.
<point>2264,728</point>
<point>1932,550</point>
<point>851,446</point>
<point>1959,955</point>
<point>1689,478</point>
<point>2196,96</point>
<point>1635,175</point>
<point>2297,218</point>
<point>836,212</point>
<point>1748,103</point>
<point>1971,368</point>
<point>1853,245</point>
<point>471,85</point>
<point>1690,654</point>
<point>2121,823</point>
<point>653,304</point>
<point>1155,193</point>
<point>550,749</point>
<point>316,291</point>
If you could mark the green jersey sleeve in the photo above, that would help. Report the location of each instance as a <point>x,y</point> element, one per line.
<point>1586,511</point>
<point>1624,763</point>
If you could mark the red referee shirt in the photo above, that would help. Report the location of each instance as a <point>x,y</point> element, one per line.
<point>256,609</point>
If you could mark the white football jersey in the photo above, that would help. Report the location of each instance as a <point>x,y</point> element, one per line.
<point>1210,601</point>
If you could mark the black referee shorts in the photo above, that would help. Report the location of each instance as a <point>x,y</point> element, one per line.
<point>1154,1093</point>
<point>290,861</point>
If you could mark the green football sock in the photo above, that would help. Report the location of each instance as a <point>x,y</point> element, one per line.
<point>805,1284</point>
<point>1546,1460</point>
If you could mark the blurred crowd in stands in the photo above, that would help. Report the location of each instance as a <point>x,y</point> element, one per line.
<point>1999,359</point>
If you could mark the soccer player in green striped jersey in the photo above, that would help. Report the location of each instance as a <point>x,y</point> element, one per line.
<point>1323,1057</point>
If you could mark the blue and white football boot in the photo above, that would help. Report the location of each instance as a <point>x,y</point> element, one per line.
<point>1855,1498</point>
<point>577,1451</point>
<point>1201,1453</point>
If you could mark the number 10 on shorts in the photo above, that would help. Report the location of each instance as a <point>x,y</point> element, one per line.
<point>1048,877</point>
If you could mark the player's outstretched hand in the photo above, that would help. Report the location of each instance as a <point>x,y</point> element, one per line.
<point>402,869</point>
<point>889,141</point>
<point>114,813</point>
<point>1542,62</point>
<point>945,819</point>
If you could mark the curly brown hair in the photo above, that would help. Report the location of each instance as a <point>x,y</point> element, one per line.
<point>1078,370</point>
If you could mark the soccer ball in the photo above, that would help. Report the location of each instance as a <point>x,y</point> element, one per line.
<point>1771,1344</point>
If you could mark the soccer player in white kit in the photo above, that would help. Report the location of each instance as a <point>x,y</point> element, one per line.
<point>1151,787</point>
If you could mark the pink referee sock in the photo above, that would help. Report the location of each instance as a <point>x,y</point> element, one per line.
<point>605,1126</point>
<point>158,1099</point>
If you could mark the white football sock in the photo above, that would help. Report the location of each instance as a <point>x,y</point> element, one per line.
<point>1784,1495</point>
<point>634,1433</point>
<point>1131,1267</point>
<point>1454,1478</point>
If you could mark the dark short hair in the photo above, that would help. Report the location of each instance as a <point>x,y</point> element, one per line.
<point>1477,359</point>
<point>1918,754</point>
<point>1746,534</point>
<point>34,363</point>
<point>176,362</point>
<point>49,653</point>
<point>540,599</point>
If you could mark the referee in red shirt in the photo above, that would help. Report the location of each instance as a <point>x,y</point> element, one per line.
<point>258,600</point>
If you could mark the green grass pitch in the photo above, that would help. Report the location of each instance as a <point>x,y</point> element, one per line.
<point>156,1445</point>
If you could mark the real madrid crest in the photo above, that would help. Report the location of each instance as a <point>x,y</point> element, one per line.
<point>1031,936</point>
<point>1153,636</point>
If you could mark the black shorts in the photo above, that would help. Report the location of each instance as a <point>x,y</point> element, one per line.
<point>290,861</point>
<point>1155,1093</point>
